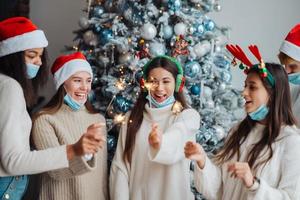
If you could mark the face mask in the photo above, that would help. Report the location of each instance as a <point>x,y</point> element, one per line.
<point>74,105</point>
<point>260,113</point>
<point>168,101</point>
<point>294,78</point>
<point>32,70</point>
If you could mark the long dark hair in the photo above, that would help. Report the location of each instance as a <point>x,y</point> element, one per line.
<point>280,113</point>
<point>14,66</point>
<point>136,115</point>
<point>57,101</point>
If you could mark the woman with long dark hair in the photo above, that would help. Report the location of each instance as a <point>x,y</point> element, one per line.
<point>149,162</point>
<point>22,71</point>
<point>261,156</point>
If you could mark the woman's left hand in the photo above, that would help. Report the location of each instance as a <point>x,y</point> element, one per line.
<point>242,171</point>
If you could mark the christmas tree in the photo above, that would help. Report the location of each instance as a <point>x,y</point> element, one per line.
<point>119,36</point>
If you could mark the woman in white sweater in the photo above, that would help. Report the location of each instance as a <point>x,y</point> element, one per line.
<point>22,71</point>
<point>149,163</point>
<point>261,157</point>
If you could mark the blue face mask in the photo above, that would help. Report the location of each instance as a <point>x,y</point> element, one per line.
<point>32,70</point>
<point>294,78</point>
<point>74,105</point>
<point>260,113</point>
<point>168,101</point>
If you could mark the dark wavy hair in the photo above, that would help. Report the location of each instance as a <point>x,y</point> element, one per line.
<point>136,115</point>
<point>14,66</point>
<point>280,113</point>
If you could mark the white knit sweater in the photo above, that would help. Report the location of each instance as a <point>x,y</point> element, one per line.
<point>279,179</point>
<point>15,126</point>
<point>156,175</point>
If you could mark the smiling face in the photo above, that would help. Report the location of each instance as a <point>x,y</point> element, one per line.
<point>163,84</point>
<point>254,93</point>
<point>78,86</point>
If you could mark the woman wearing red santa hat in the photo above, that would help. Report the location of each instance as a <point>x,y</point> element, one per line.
<point>22,71</point>
<point>63,120</point>
<point>289,56</point>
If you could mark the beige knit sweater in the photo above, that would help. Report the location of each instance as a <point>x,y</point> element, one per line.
<point>83,180</point>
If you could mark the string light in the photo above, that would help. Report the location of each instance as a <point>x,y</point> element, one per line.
<point>120,84</point>
<point>177,108</point>
<point>119,118</point>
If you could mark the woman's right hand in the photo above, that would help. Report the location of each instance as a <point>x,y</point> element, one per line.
<point>89,142</point>
<point>194,151</point>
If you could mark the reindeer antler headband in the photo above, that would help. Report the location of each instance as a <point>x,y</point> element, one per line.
<point>246,64</point>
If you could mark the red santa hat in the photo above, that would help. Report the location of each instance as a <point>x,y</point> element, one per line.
<point>291,45</point>
<point>67,65</point>
<point>19,34</point>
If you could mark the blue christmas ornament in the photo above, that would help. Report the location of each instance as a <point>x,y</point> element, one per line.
<point>209,25</point>
<point>105,36</point>
<point>111,143</point>
<point>174,5</point>
<point>98,11</point>
<point>168,31</point>
<point>221,62</point>
<point>226,76</point>
<point>195,90</point>
<point>97,28</point>
<point>200,29</point>
<point>138,75</point>
<point>122,104</point>
<point>192,68</point>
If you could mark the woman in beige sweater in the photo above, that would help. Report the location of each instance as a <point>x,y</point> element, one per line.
<point>66,117</point>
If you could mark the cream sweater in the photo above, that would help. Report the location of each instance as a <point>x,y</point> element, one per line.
<point>279,179</point>
<point>156,175</point>
<point>82,180</point>
<point>15,126</point>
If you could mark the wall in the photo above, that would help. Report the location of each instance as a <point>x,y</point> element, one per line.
<point>264,23</point>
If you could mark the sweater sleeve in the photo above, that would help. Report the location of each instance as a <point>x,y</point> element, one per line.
<point>208,180</point>
<point>15,124</point>
<point>289,185</point>
<point>44,137</point>
<point>119,173</point>
<point>175,137</point>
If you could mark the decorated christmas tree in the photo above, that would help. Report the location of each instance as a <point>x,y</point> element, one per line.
<point>119,36</point>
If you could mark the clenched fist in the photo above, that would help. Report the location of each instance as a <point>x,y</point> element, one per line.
<point>155,137</point>
<point>194,151</point>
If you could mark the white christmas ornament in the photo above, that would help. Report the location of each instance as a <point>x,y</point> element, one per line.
<point>201,49</point>
<point>148,31</point>
<point>83,22</point>
<point>220,132</point>
<point>180,29</point>
<point>207,92</point>
<point>157,48</point>
<point>90,38</point>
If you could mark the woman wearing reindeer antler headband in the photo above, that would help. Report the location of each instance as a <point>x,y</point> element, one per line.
<point>261,157</point>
